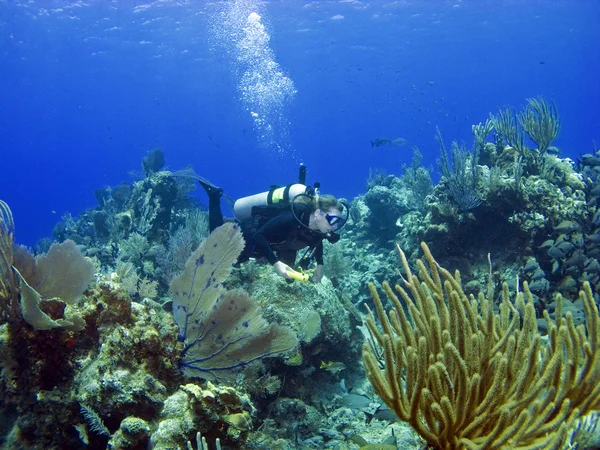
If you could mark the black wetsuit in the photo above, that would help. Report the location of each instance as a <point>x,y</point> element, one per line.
<point>280,238</point>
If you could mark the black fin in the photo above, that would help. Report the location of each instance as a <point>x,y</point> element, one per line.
<point>210,188</point>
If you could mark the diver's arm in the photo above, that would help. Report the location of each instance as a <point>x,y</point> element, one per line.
<point>319,253</point>
<point>318,273</point>
<point>282,269</point>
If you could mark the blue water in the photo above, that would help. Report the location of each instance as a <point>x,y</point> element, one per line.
<point>88,88</point>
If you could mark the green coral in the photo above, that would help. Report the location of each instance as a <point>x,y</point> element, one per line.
<point>194,409</point>
<point>541,122</point>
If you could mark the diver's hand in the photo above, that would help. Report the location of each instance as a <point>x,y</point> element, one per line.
<point>281,269</point>
<point>317,274</point>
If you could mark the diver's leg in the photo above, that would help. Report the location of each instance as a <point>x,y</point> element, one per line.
<point>215,215</point>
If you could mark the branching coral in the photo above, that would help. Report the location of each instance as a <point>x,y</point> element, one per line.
<point>505,123</point>
<point>541,122</point>
<point>466,377</point>
<point>462,176</point>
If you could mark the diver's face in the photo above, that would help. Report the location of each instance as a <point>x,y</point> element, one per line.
<point>327,221</point>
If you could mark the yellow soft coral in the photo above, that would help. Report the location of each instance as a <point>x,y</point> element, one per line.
<point>466,377</point>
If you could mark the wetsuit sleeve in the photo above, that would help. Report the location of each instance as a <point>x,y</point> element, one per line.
<point>277,229</point>
<point>319,253</point>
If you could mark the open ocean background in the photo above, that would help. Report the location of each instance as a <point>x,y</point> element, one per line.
<point>89,87</point>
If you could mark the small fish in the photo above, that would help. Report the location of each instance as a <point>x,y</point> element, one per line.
<point>540,286</point>
<point>357,401</point>
<point>592,266</point>
<point>538,274</point>
<point>333,367</point>
<point>567,284</point>
<point>566,226</point>
<point>586,277</point>
<point>317,349</point>
<point>595,238</point>
<point>390,443</point>
<point>578,258</point>
<point>572,270</point>
<point>565,246</point>
<point>593,252</point>
<point>577,240</point>
<point>555,266</point>
<point>378,447</point>
<point>358,440</point>
<point>556,253</point>
<point>385,413</point>
<point>590,160</point>
<point>379,142</point>
<point>531,265</point>
<point>596,219</point>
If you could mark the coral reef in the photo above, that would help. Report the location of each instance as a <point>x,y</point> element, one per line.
<point>100,365</point>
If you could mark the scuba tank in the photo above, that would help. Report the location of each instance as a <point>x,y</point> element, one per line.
<point>242,208</point>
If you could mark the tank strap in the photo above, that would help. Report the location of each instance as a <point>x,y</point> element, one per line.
<point>286,193</point>
<point>270,195</point>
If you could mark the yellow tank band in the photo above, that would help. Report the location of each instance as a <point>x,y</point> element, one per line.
<point>278,194</point>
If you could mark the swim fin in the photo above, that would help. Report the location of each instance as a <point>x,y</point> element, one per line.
<point>211,189</point>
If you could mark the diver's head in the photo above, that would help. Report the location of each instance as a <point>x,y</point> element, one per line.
<point>327,213</point>
<point>327,216</point>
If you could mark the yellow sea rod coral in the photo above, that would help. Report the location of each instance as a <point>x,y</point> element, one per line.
<point>466,377</point>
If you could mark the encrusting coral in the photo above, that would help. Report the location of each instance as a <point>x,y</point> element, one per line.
<point>467,377</point>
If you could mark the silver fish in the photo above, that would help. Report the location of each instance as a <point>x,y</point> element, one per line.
<point>380,142</point>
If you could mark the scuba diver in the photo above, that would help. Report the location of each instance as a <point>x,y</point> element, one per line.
<point>279,222</point>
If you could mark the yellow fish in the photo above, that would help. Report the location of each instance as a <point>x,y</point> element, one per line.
<point>333,367</point>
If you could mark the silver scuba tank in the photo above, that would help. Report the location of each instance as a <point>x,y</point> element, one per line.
<point>242,208</point>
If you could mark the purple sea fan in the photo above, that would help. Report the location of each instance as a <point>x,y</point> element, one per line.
<point>64,272</point>
<point>222,331</point>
